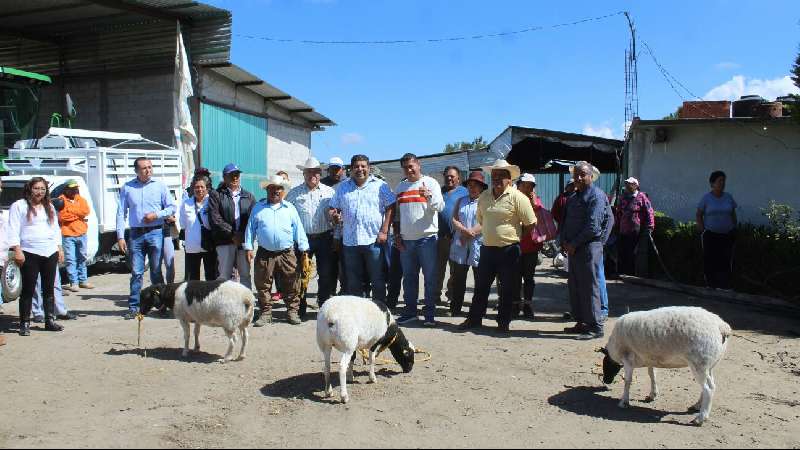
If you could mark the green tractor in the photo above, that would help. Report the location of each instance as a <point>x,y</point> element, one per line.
<point>19,107</point>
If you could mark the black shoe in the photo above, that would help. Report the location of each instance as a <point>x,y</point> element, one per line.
<point>468,325</point>
<point>25,329</point>
<point>577,329</point>
<point>131,314</point>
<point>590,335</point>
<point>527,312</point>
<point>503,329</point>
<point>38,319</point>
<point>68,316</point>
<point>51,325</point>
<point>566,317</point>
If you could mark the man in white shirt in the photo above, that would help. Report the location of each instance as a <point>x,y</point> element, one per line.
<point>312,201</point>
<point>419,201</point>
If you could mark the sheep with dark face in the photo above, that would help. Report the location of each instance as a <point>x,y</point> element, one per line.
<point>222,304</point>
<point>349,324</point>
<point>668,338</point>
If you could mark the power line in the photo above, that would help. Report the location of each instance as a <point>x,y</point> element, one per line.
<point>674,83</point>
<point>431,41</point>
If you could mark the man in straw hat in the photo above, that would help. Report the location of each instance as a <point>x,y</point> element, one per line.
<point>275,224</point>
<point>583,235</point>
<point>505,214</point>
<point>312,200</point>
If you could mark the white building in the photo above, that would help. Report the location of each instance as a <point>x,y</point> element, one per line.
<point>673,159</point>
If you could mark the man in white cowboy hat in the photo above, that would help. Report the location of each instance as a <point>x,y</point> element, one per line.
<point>636,219</point>
<point>583,234</point>
<point>505,214</point>
<point>275,224</point>
<point>312,200</point>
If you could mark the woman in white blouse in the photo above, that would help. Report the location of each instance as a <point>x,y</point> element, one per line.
<point>35,238</point>
<point>194,221</point>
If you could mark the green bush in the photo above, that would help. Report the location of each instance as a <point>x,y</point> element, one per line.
<point>766,258</point>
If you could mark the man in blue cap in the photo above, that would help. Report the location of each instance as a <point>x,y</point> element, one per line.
<point>229,209</point>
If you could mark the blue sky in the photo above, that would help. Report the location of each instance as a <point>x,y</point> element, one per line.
<point>388,100</point>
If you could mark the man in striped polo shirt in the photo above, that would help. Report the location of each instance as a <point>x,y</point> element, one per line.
<point>419,201</point>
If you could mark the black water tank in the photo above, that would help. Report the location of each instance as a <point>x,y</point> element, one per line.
<point>747,106</point>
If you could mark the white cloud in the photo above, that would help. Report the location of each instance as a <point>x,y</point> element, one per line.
<point>728,65</point>
<point>740,85</point>
<point>352,139</point>
<point>603,131</point>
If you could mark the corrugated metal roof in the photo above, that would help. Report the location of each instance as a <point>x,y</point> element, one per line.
<point>270,93</point>
<point>106,35</point>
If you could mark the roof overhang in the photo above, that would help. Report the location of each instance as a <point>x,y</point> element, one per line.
<point>717,121</point>
<point>271,94</point>
<point>76,37</point>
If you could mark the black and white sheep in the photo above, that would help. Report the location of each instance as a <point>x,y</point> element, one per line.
<point>221,304</point>
<point>668,338</point>
<point>349,324</point>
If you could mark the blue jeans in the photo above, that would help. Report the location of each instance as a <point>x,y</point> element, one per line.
<point>75,249</point>
<point>603,288</point>
<point>420,254</point>
<point>321,247</point>
<point>149,244</point>
<point>168,255</point>
<point>37,305</point>
<point>394,269</point>
<point>355,260</point>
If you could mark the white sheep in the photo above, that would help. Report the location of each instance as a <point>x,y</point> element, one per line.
<point>668,338</point>
<point>349,324</point>
<point>223,304</point>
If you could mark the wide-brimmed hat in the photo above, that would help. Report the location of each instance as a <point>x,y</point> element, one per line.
<point>595,172</point>
<point>275,180</point>
<point>502,164</point>
<point>477,176</point>
<point>311,164</point>
<point>632,180</point>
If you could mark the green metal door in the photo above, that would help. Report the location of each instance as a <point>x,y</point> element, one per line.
<point>233,137</point>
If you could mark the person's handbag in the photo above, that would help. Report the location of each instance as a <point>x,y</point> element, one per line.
<point>545,229</point>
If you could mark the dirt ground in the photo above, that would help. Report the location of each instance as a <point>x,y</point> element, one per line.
<point>91,387</point>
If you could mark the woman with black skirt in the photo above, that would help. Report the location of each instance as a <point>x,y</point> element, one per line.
<point>35,238</point>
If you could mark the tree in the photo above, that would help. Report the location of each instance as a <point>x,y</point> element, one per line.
<point>796,71</point>
<point>477,144</point>
<point>674,116</point>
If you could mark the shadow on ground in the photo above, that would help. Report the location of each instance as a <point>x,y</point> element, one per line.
<point>168,354</point>
<point>587,401</point>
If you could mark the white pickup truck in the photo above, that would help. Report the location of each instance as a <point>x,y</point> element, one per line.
<point>66,154</point>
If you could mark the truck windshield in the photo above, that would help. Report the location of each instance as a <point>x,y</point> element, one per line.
<point>19,107</point>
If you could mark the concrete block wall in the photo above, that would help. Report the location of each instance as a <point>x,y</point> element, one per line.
<point>137,104</point>
<point>287,147</point>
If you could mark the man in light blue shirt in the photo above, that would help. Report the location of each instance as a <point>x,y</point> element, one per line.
<point>276,226</point>
<point>144,203</point>
<point>364,205</point>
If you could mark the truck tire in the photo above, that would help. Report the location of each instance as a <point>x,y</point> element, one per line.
<point>11,282</point>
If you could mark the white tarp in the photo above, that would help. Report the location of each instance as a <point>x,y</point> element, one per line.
<point>89,134</point>
<point>185,136</point>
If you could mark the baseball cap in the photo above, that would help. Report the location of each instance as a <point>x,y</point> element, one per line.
<point>71,184</point>
<point>632,180</point>
<point>527,178</point>
<point>231,168</point>
<point>336,162</point>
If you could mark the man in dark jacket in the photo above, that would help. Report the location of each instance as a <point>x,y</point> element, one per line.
<point>229,209</point>
<point>583,233</point>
